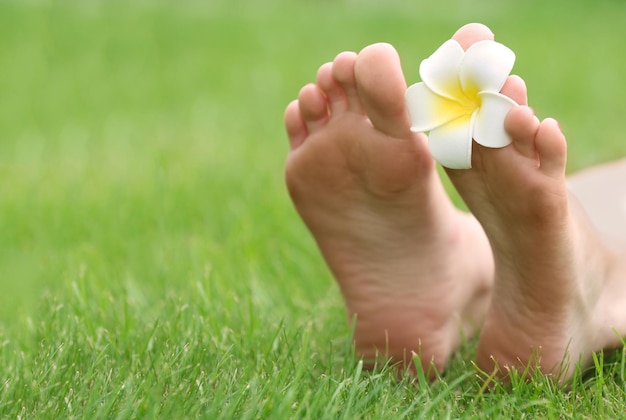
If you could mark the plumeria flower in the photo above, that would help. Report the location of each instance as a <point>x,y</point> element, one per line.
<point>459,100</point>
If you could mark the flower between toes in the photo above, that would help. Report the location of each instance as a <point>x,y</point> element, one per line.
<point>458,100</point>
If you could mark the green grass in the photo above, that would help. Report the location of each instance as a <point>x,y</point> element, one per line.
<point>150,261</point>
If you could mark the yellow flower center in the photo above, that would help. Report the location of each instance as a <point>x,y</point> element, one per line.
<point>465,103</point>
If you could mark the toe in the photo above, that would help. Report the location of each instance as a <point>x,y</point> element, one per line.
<point>522,126</point>
<point>313,107</point>
<point>472,33</point>
<point>551,147</point>
<point>335,95</point>
<point>294,123</point>
<point>382,87</point>
<point>515,88</point>
<point>343,72</point>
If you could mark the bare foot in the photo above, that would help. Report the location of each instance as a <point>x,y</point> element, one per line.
<point>414,271</point>
<point>559,291</point>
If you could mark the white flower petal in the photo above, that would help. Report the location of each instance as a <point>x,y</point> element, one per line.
<point>489,126</point>
<point>485,67</point>
<point>440,71</point>
<point>428,110</point>
<point>451,144</point>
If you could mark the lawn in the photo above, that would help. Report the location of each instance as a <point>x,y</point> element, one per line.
<point>151,264</point>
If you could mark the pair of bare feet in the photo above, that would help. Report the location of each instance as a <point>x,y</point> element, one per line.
<point>526,269</point>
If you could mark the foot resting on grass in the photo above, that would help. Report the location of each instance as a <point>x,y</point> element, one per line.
<point>559,290</point>
<point>415,272</point>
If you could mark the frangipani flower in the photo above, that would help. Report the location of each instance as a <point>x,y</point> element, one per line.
<point>458,100</point>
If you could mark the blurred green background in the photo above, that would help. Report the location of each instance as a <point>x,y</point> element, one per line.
<point>141,142</point>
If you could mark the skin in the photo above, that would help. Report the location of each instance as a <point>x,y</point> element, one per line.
<point>555,275</point>
<point>417,274</point>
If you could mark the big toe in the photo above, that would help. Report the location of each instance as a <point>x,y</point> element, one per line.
<point>381,86</point>
<point>471,33</point>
